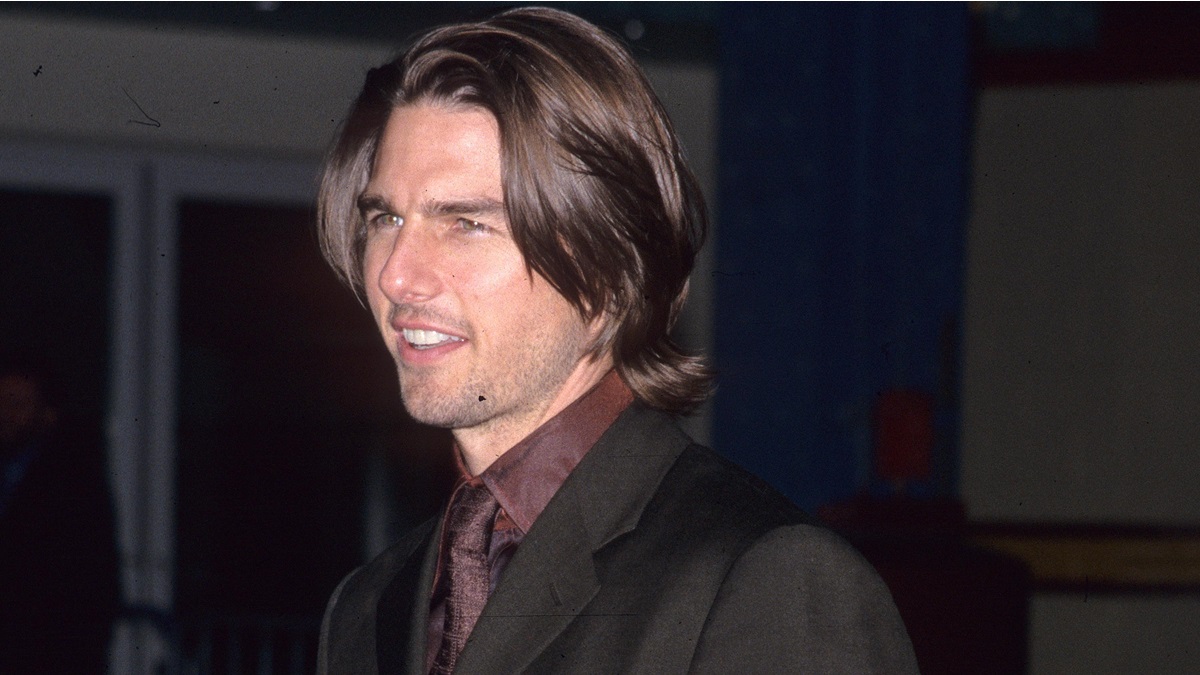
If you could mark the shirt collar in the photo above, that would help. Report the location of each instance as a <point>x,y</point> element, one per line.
<point>524,479</point>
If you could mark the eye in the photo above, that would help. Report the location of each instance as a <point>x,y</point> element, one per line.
<point>385,220</point>
<point>468,225</point>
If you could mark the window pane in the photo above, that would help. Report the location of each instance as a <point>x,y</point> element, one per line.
<point>58,557</point>
<point>284,387</point>
<point>54,283</point>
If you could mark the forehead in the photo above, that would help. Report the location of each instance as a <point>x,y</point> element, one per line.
<point>431,140</point>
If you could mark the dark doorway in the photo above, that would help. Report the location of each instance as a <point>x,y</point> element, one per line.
<point>284,389</point>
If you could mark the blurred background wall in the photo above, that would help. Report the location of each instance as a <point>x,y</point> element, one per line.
<point>1082,351</point>
<point>1081,323</point>
<point>986,210</point>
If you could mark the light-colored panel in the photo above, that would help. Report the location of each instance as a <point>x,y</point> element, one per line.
<point>1114,634</point>
<point>1082,332</point>
<point>201,89</point>
<point>689,92</point>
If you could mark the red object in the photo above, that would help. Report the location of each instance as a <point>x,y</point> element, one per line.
<point>903,435</point>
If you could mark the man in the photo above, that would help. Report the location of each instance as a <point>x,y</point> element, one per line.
<point>511,199</point>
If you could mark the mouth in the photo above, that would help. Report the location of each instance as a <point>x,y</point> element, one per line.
<point>428,339</point>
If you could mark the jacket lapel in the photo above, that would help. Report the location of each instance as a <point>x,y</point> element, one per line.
<point>552,577</point>
<point>402,619</point>
<point>547,583</point>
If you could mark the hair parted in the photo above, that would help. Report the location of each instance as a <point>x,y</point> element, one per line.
<point>599,199</point>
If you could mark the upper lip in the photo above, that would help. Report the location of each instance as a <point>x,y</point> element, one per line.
<point>399,326</point>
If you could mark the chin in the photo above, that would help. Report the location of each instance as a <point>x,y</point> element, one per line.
<point>445,411</point>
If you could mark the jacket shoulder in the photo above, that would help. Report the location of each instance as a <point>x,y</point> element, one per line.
<point>801,599</point>
<point>791,595</point>
<point>725,497</point>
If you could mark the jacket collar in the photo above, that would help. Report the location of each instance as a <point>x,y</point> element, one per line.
<point>552,576</point>
<point>402,613</point>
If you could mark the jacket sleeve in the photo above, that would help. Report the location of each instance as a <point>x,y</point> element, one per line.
<point>801,600</point>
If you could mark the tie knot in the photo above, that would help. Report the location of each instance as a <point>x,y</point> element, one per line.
<point>472,514</point>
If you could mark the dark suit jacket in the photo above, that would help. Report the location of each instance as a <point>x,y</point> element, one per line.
<point>655,556</point>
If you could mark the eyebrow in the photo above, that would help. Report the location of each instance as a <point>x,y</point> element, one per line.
<point>477,206</point>
<point>367,202</point>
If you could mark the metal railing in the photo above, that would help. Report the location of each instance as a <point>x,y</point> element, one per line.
<point>229,644</point>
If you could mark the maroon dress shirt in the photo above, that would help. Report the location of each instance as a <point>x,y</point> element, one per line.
<point>524,479</point>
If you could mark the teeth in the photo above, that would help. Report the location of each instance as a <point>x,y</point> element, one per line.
<point>427,338</point>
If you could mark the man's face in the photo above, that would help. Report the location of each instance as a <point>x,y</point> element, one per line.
<point>479,341</point>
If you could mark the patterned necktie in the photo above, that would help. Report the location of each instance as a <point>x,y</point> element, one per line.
<point>468,533</point>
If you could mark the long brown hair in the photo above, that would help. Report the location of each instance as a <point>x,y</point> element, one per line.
<point>598,196</point>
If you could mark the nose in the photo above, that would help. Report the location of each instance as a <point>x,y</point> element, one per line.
<point>409,272</point>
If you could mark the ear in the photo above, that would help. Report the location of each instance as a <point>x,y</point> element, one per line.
<point>601,331</point>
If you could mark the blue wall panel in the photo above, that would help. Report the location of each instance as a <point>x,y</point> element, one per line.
<point>839,247</point>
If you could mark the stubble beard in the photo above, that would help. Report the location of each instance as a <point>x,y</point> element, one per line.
<point>506,390</point>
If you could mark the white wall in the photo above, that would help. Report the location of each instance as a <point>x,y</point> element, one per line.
<point>1081,379</point>
<point>1082,355</point>
<point>210,91</point>
<point>1125,635</point>
<point>690,94</point>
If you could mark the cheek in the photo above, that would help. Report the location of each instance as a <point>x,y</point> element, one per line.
<point>376,301</point>
<point>500,305</point>
<point>379,310</point>
<point>492,282</point>
<point>372,266</point>
<point>545,306</point>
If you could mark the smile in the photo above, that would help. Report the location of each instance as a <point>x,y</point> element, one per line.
<point>428,339</point>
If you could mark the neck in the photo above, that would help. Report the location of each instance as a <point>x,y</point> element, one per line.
<point>484,444</point>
